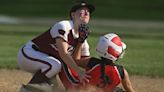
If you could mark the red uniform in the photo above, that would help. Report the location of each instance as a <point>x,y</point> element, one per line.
<point>105,77</point>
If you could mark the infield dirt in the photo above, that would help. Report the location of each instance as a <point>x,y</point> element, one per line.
<point>11,81</point>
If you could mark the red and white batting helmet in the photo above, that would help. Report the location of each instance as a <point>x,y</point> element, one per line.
<point>110,46</point>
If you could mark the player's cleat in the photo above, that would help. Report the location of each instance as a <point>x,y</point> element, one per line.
<point>37,88</point>
<point>24,89</point>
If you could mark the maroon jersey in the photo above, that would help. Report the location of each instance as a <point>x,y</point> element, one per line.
<point>64,29</point>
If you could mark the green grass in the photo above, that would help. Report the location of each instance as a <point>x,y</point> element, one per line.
<point>145,57</point>
<point>12,37</point>
<point>117,9</point>
<point>144,54</point>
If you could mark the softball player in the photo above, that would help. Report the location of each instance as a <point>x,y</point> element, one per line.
<point>105,74</point>
<point>43,55</point>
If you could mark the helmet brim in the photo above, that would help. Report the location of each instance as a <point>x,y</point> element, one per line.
<point>80,5</point>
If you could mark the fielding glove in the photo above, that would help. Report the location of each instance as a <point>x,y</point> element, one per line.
<point>83,32</point>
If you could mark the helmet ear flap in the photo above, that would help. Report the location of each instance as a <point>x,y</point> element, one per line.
<point>123,50</point>
<point>123,46</point>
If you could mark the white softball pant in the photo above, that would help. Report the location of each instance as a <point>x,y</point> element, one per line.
<point>31,60</point>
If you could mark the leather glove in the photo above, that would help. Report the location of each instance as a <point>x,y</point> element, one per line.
<point>83,32</point>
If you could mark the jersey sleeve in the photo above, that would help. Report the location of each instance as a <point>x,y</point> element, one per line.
<point>85,49</point>
<point>60,30</point>
<point>121,70</point>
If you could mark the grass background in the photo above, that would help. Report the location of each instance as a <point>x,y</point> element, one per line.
<point>116,9</point>
<point>144,55</point>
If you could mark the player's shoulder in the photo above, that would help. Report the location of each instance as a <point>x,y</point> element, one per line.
<point>92,62</point>
<point>120,69</point>
<point>65,23</point>
<point>118,65</point>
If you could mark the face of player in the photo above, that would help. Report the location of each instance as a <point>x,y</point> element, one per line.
<point>81,16</point>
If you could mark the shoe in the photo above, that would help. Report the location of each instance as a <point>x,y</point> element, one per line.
<point>24,89</point>
<point>44,87</point>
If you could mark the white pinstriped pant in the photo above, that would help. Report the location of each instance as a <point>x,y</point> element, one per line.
<point>31,61</point>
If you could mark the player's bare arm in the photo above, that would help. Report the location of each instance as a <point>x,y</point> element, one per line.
<point>126,82</point>
<point>77,52</point>
<point>83,31</point>
<point>62,47</point>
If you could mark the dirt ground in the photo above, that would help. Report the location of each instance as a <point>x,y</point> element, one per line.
<point>11,80</point>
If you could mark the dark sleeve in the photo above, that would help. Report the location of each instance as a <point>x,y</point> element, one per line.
<point>121,70</point>
<point>92,62</point>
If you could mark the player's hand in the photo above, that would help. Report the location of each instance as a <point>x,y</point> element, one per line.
<point>83,32</point>
<point>84,77</point>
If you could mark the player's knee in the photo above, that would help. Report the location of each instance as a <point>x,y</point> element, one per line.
<point>55,69</point>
